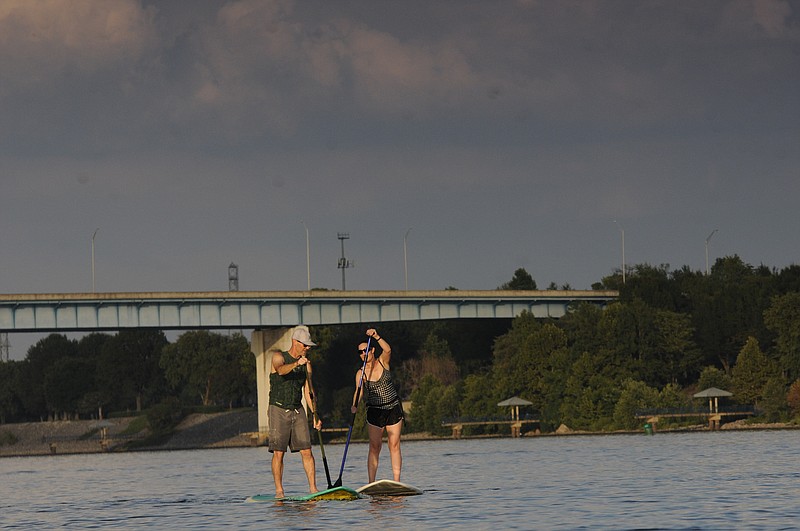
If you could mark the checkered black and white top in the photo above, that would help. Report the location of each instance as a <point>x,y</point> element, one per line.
<point>381,393</point>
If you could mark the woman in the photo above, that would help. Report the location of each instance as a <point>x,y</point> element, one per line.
<point>384,410</point>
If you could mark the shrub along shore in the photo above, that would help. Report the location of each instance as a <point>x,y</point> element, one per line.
<point>202,430</point>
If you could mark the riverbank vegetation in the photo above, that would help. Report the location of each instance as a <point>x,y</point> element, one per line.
<point>670,334</point>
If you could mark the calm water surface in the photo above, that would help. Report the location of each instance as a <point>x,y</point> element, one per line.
<point>722,480</point>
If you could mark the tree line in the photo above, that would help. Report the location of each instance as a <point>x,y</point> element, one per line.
<point>670,334</point>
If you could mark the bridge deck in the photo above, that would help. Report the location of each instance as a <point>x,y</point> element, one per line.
<point>259,309</point>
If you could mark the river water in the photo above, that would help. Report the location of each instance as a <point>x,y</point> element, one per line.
<point>719,480</point>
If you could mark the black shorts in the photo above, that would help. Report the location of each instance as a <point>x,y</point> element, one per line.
<point>380,418</point>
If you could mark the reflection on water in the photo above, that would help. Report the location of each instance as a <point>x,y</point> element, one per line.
<point>698,480</point>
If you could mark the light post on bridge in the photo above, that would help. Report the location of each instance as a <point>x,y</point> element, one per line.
<point>405,257</point>
<point>308,258</point>
<point>707,240</point>
<point>622,230</point>
<point>344,263</point>
<point>93,235</point>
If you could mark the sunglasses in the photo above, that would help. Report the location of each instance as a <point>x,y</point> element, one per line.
<point>362,350</point>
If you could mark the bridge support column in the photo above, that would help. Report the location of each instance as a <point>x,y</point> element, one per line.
<point>262,344</point>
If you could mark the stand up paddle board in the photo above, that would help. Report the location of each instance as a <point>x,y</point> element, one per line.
<point>387,487</point>
<point>336,493</point>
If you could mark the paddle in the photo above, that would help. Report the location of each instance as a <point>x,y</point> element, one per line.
<point>319,432</point>
<point>338,482</point>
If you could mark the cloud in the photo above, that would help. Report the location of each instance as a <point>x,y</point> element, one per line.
<point>259,56</point>
<point>771,16</point>
<point>39,40</point>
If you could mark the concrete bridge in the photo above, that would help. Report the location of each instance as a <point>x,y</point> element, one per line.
<point>272,314</point>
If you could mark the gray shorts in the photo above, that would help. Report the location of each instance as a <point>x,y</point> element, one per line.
<point>288,428</point>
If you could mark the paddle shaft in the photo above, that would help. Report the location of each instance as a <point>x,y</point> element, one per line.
<point>353,420</point>
<point>319,432</point>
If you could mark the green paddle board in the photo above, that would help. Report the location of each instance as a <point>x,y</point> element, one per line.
<point>336,493</point>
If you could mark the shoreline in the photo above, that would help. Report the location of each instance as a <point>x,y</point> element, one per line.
<point>234,429</point>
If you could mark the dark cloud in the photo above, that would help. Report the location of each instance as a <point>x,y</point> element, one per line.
<point>507,134</point>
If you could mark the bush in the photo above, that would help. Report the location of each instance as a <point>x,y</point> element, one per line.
<point>165,415</point>
<point>7,438</point>
<point>636,395</point>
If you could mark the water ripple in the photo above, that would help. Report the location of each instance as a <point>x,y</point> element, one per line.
<point>739,480</point>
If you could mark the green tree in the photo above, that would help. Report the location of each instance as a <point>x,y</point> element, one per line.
<point>33,375</point>
<point>478,397</point>
<point>676,352</point>
<point>207,365</point>
<point>728,308</point>
<point>533,362</point>
<point>236,379</point>
<point>752,371</point>
<point>788,279</point>
<point>793,398</point>
<point>128,368</point>
<point>635,396</point>
<point>641,342</point>
<point>99,395</point>
<point>652,285</point>
<point>783,318</point>
<point>425,414</point>
<point>589,396</point>
<point>773,403</point>
<point>581,324</point>
<point>435,359</point>
<point>9,402</point>
<point>673,396</point>
<point>522,280</point>
<point>713,377</point>
<point>66,381</point>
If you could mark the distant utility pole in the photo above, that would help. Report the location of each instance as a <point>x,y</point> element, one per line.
<point>344,263</point>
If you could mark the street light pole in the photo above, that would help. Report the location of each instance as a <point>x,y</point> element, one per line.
<point>344,263</point>
<point>93,235</point>
<point>308,258</point>
<point>707,240</point>
<point>405,257</point>
<point>622,230</point>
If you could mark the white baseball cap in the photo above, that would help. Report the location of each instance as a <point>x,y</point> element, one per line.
<point>302,335</point>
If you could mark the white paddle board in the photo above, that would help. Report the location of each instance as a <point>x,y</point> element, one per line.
<point>387,487</point>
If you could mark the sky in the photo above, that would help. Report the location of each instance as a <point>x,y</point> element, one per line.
<point>452,141</point>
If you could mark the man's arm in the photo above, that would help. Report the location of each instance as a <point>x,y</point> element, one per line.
<point>283,368</point>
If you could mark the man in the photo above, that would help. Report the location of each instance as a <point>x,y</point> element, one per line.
<point>288,424</point>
